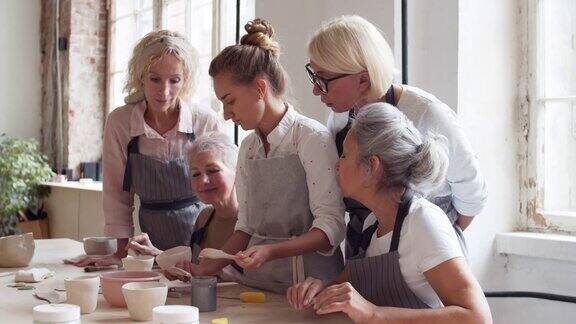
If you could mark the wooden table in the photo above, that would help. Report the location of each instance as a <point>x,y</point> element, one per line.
<point>16,305</point>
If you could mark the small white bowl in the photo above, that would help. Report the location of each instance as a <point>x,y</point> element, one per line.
<point>16,250</point>
<point>142,297</point>
<point>100,245</point>
<point>138,263</point>
<point>170,257</point>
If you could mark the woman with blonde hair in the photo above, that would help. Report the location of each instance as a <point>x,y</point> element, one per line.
<point>410,268</point>
<point>144,146</point>
<point>290,213</point>
<point>352,65</point>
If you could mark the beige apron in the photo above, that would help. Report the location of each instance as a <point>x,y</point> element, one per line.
<point>278,209</point>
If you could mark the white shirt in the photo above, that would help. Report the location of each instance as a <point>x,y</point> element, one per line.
<point>426,240</point>
<point>317,152</point>
<point>121,125</point>
<point>464,181</point>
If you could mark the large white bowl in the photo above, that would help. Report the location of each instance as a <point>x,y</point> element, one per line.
<point>16,250</point>
<point>142,297</point>
<point>170,257</point>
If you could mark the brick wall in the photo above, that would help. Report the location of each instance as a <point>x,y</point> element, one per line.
<point>83,73</point>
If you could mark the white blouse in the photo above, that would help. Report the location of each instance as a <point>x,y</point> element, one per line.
<point>464,180</point>
<point>317,152</point>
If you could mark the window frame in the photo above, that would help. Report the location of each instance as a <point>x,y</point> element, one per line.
<point>534,216</point>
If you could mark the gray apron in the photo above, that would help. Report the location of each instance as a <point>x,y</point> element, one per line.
<point>378,278</point>
<point>168,207</point>
<point>279,209</point>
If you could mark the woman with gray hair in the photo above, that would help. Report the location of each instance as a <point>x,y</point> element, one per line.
<point>212,159</point>
<point>409,255</point>
<point>144,141</point>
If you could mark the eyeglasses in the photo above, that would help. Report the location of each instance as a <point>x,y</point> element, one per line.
<point>321,82</point>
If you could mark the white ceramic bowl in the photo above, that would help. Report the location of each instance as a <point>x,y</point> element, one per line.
<point>16,250</point>
<point>138,263</point>
<point>142,297</point>
<point>170,257</point>
<point>99,245</point>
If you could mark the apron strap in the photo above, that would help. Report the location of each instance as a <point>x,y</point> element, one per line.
<point>389,97</point>
<point>403,209</point>
<point>341,135</point>
<point>132,148</point>
<point>198,235</point>
<point>400,216</point>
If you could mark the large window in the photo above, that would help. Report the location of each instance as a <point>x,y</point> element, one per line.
<point>551,177</point>
<point>210,25</point>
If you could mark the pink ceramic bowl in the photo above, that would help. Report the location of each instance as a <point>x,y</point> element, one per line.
<point>112,284</point>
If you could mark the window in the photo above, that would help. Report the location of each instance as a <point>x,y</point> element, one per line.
<point>550,181</point>
<point>210,25</point>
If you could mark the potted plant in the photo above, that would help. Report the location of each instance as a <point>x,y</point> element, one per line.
<point>22,168</point>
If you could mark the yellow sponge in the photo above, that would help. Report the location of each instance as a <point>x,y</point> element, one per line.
<point>252,297</point>
<point>222,320</point>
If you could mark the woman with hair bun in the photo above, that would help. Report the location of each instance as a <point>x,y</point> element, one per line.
<point>144,147</point>
<point>410,256</point>
<point>351,65</point>
<point>291,216</point>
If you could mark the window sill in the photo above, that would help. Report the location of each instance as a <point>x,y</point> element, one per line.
<point>90,186</point>
<point>537,245</point>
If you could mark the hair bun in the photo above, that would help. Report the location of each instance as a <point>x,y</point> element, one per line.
<point>260,33</point>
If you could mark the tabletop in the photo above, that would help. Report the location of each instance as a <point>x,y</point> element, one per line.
<point>16,305</point>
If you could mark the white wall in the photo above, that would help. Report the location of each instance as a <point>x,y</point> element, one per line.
<point>490,60</point>
<point>295,21</point>
<point>432,37</point>
<point>20,76</point>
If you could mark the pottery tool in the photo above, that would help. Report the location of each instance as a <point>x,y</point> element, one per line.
<point>100,268</point>
<point>222,320</point>
<point>52,297</point>
<point>249,297</point>
<point>210,253</point>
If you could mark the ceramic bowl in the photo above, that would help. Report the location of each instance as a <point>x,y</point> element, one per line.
<point>170,257</point>
<point>142,297</point>
<point>16,250</point>
<point>138,263</point>
<point>99,245</point>
<point>112,282</point>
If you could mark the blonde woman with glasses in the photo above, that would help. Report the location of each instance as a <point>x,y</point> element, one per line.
<point>351,65</point>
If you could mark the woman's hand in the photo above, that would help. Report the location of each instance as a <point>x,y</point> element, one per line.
<point>98,260</point>
<point>344,298</point>
<point>255,256</point>
<point>141,243</point>
<point>187,266</point>
<point>301,294</point>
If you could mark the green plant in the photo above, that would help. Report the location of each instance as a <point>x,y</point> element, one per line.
<point>22,168</point>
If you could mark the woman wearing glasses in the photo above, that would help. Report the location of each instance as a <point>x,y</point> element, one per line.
<point>290,214</point>
<point>352,65</point>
